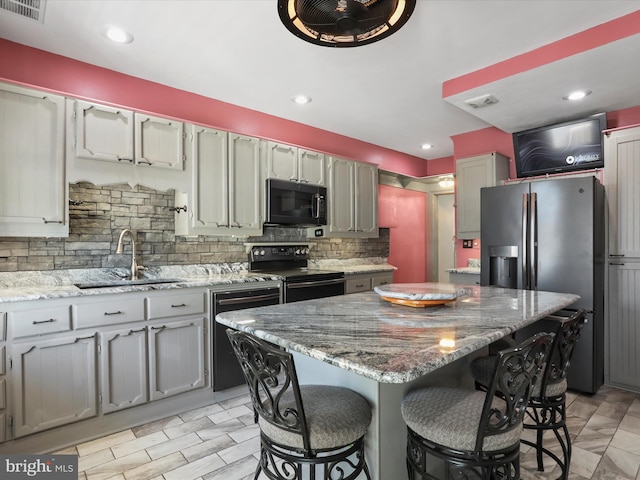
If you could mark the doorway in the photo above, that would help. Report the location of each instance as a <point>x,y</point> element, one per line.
<point>444,246</point>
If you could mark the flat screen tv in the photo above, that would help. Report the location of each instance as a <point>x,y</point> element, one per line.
<point>562,147</point>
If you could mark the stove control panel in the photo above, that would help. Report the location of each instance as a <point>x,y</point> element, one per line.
<point>275,252</point>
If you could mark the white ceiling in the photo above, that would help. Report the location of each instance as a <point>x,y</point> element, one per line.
<point>388,93</point>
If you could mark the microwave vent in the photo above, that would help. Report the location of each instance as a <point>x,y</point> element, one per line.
<point>31,9</point>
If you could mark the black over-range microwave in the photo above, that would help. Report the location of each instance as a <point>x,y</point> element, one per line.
<point>291,203</point>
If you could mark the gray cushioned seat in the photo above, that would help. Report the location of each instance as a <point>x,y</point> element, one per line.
<point>450,417</point>
<point>482,369</point>
<point>336,417</point>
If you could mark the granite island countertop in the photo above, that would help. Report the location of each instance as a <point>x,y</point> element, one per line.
<point>390,343</point>
<point>470,270</point>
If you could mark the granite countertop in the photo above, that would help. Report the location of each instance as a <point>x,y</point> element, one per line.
<point>393,343</point>
<point>471,270</point>
<point>38,285</point>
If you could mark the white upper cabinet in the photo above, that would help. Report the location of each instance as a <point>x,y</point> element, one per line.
<point>130,147</point>
<point>226,191</point>
<point>159,142</point>
<point>102,132</point>
<point>33,188</point>
<point>286,162</point>
<point>353,198</point>
<point>472,174</point>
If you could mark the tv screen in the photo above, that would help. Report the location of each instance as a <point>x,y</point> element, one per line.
<point>568,146</point>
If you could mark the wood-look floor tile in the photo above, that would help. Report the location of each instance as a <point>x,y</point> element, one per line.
<point>117,466</point>
<point>602,423</point>
<point>235,412</point>
<point>602,474</point>
<point>196,469</point>
<point>238,470</point>
<point>593,440</point>
<point>583,462</point>
<point>201,412</point>
<point>627,441</point>
<point>105,442</point>
<point>613,410</point>
<point>630,424</point>
<point>141,443</point>
<point>156,467</point>
<point>245,433</point>
<point>173,445</point>
<point>208,447</point>
<point>91,460</point>
<point>240,450</point>
<point>157,426</point>
<point>634,408</point>
<point>188,427</point>
<point>620,462</point>
<point>236,401</point>
<point>216,430</point>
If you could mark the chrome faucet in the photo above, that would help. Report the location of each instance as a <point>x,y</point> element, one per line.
<point>134,263</point>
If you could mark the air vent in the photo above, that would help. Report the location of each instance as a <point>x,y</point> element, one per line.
<point>481,101</point>
<point>31,9</point>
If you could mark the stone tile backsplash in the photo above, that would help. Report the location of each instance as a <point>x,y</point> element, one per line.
<point>97,215</point>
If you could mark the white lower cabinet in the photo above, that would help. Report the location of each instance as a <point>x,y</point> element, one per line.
<point>68,360</point>
<point>364,282</point>
<point>176,357</point>
<point>54,382</point>
<point>123,369</point>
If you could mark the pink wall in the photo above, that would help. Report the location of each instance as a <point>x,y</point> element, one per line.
<point>37,68</point>
<point>404,212</point>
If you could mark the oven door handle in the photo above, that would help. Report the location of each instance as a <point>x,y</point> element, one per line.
<point>314,283</point>
<point>257,298</point>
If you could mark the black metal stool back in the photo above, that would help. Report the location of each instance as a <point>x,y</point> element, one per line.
<point>440,419</point>
<point>547,406</point>
<point>290,450</point>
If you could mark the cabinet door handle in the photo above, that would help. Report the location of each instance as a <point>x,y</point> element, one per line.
<point>145,162</point>
<point>37,322</point>
<point>137,331</point>
<point>121,159</point>
<point>616,254</point>
<point>359,285</point>
<point>616,263</point>
<point>113,313</point>
<point>178,306</point>
<point>159,328</point>
<point>51,221</point>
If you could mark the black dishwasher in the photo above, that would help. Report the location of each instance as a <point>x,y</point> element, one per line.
<point>226,369</point>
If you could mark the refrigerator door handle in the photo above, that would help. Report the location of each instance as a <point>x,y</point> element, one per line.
<point>533,235</point>
<point>523,255</point>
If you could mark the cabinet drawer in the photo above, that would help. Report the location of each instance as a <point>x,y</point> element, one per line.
<point>355,285</point>
<point>3,326</point>
<point>3,362</point>
<point>39,322</point>
<point>177,305</point>
<point>378,280</point>
<point>120,310</point>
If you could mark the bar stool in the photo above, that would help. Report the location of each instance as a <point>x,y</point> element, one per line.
<point>303,428</point>
<point>547,406</point>
<point>476,434</point>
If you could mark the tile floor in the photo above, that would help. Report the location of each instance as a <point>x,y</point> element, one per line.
<point>222,442</point>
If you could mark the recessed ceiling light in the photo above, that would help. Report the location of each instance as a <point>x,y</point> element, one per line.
<point>301,99</point>
<point>426,146</point>
<point>577,95</point>
<point>117,34</point>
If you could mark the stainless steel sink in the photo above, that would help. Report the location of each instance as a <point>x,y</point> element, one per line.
<point>124,282</point>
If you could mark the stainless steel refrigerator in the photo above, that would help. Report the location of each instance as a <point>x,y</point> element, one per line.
<point>549,235</point>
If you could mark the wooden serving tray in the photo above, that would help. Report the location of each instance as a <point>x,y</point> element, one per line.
<point>417,303</point>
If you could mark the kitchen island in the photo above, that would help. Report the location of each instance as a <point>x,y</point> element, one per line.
<point>383,350</point>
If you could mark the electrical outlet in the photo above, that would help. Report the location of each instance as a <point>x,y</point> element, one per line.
<point>467,243</point>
